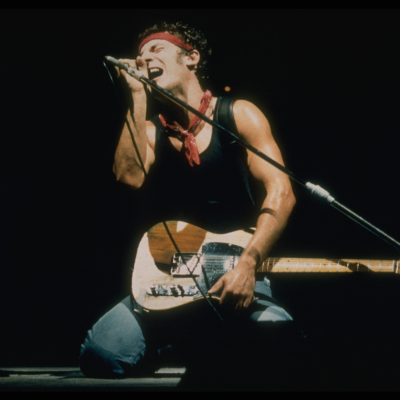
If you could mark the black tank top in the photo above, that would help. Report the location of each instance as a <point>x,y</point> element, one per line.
<point>213,195</point>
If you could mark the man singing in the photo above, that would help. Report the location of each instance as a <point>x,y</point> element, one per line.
<point>203,178</point>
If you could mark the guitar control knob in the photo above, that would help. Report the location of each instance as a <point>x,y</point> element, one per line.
<point>174,290</point>
<point>153,289</point>
<point>181,289</point>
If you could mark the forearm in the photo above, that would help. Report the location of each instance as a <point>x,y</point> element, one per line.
<point>271,222</point>
<point>238,285</point>
<point>127,166</point>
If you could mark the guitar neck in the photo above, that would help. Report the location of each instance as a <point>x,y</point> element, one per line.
<point>297,265</point>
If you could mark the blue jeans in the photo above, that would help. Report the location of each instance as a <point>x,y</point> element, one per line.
<point>125,343</point>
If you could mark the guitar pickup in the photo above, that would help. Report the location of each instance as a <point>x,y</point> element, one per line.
<point>172,290</point>
<point>192,262</point>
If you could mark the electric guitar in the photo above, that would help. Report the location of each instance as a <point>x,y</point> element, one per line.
<point>162,280</point>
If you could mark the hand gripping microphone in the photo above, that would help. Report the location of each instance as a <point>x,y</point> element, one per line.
<point>133,72</point>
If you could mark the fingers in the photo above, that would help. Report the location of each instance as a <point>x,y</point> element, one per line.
<point>242,303</point>
<point>239,301</point>
<point>141,64</point>
<point>238,297</point>
<point>247,301</point>
<point>131,63</point>
<point>226,295</point>
<point>133,83</point>
<point>217,286</point>
<point>118,70</point>
<point>232,297</point>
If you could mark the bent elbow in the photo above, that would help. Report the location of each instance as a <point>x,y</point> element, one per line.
<point>290,200</point>
<point>133,181</point>
<point>286,200</point>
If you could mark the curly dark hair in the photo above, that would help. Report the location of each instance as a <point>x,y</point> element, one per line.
<point>191,36</point>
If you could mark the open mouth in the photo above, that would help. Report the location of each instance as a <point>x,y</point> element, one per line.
<point>155,73</point>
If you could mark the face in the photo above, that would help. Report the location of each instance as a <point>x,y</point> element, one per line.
<point>166,66</point>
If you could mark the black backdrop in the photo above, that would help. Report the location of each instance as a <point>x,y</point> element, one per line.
<point>328,80</point>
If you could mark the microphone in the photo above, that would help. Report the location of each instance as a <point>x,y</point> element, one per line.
<point>133,72</point>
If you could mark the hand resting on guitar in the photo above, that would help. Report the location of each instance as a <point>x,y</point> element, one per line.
<point>236,286</point>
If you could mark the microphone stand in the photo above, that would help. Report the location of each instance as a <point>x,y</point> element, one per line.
<point>314,189</point>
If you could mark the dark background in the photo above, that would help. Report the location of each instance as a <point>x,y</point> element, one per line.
<point>328,80</point>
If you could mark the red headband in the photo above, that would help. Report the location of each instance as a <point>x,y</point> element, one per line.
<point>166,36</point>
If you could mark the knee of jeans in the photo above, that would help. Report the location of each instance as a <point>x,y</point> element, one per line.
<point>271,314</point>
<point>96,362</point>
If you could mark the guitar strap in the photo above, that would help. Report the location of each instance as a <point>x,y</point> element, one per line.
<point>224,116</point>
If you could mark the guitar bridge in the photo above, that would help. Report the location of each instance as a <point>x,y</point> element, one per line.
<point>191,262</point>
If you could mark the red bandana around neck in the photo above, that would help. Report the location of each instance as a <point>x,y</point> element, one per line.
<point>189,144</point>
<point>166,36</point>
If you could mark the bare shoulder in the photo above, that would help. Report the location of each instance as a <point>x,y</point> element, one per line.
<point>151,134</point>
<point>250,121</point>
<point>253,127</point>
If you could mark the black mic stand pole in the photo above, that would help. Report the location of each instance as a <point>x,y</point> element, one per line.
<point>314,189</point>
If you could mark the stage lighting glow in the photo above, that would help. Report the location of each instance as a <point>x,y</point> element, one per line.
<point>227,89</point>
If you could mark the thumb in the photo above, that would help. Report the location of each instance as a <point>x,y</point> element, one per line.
<point>217,286</point>
<point>140,63</point>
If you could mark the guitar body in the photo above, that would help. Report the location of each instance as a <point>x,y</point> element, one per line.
<point>161,279</point>
<point>155,254</point>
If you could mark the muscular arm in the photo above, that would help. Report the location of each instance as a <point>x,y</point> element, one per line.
<point>127,167</point>
<point>278,204</point>
<point>238,285</point>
